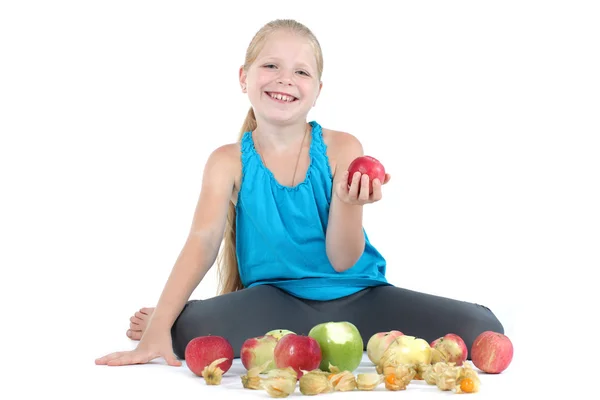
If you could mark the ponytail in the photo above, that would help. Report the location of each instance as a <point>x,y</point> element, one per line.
<point>228,274</point>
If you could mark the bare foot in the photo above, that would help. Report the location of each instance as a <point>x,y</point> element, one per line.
<point>138,324</point>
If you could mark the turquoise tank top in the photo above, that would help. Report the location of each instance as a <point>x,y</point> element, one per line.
<point>280,230</point>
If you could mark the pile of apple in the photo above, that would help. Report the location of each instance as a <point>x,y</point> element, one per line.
<point>325,359</point>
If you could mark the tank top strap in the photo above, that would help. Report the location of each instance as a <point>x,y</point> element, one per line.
<point>318,150</point>
<point>247,149</point>
<point>317,137</point>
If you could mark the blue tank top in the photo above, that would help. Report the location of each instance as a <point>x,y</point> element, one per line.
<point>280,230</point>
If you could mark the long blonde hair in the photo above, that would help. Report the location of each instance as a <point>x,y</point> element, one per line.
<point>228,274</point>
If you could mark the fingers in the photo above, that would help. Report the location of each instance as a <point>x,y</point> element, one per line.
<point>387,178</point>
<point>109,357</point>
<point>354,186</point>
<point>377,195</point>
<point>342,186</point>
<point>363,195</point>
<point>361,189</point>
<point>132,357</point>
<point>136,357</point>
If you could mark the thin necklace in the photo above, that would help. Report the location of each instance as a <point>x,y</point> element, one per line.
<point>297,159</point>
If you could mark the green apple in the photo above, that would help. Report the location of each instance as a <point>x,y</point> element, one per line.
<point>279,333</point>
<point>341,345</point>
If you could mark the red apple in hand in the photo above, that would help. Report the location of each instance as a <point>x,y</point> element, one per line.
<point>203,350</point>
<point>298,352</point>
<point>367,165</point>
<point>452,348</point>
<point>492,352</point>
<point>258,351</point>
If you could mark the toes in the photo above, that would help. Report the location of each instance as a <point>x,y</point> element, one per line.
<point>135,328</point>
<point>135,320</point>
<point>146,310</point>
<point>141,315</point>
<point>135,335</point>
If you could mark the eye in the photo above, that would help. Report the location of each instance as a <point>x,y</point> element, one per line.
<point>304,73</point>
<point>269,66</point>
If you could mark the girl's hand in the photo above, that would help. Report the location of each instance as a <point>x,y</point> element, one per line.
<point>358,192</point>
<point>146,351</point>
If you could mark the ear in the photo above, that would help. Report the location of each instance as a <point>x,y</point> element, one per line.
<point>318,93</point>
<point>242,77</point>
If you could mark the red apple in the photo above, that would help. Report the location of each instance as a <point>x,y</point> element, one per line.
<point>299,352</point>
<point>452,347</point>
<point>379,343</point>
<point>492,352</point>
<point>367,165</point>
<point>203,350</point>
<point>257,351</point>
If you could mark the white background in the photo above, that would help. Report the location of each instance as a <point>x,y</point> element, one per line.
<point>485,114</point>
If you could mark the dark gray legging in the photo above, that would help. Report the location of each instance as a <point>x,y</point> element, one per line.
<point>253,312</point>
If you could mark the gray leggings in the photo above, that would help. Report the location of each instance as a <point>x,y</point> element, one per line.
<point>253,312</point>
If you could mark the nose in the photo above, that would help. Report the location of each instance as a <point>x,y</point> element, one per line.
<point>285,81</point>
<point>285,78</point>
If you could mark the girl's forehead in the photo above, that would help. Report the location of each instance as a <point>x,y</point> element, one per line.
<point>282,44</point>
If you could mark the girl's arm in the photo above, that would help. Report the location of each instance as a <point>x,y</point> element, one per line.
<point>206,233</point>
<point>345,239</point>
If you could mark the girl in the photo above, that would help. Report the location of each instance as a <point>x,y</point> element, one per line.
<point>295,253</point>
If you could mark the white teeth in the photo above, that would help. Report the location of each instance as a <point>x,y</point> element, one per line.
<point>281,97</point>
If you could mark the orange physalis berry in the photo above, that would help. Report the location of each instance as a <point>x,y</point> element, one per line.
<point>391,379</point>
<point>467,385</point>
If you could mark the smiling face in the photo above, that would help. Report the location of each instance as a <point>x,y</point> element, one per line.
<point>283,82</point>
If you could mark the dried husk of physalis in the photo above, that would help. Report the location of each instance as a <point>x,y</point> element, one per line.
<point>252,379</point>
<point>368,381</point>
<point>315,382</point>
<point>316,371</point>
<point>342,381</point>
<point>420,370</point>
<point>448,377</point>
<point>389,360</point>
<point>213,374</point>
<point>399,378</point>
<point>432,371</point>
<point>280,382</point>
<point>287,372</point>
<point>467,372</point>
<point>391,368</point>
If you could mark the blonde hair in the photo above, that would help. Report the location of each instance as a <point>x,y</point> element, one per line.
<point>228,274</point>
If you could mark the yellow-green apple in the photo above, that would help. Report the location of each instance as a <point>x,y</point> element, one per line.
<point>409,350</point>
<point>257,351</point>
<point>279,333</point>
<point>492,352</point>
<point>452,348</point>
<point>203,350</point>
<point>378,344</point>
<point>341,345</point>
<point>297,351</point>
